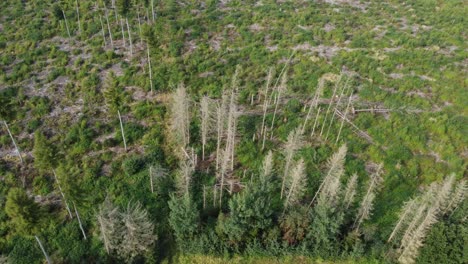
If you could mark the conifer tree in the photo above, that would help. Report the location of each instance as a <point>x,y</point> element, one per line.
<point>291,146</point>
<point>24,213</point>
<point>43,152</point>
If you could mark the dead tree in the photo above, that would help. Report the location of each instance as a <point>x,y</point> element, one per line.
<point>78,14</point>
<point>63,195</point>
<point>314,102</point>
<point>345,114</point>
<point>122,130</point>
<point>343,91</point>
<point>79,221</point>
<point>149,69</point>
<point>281,88</point>
<point>295,184</point>
<point>66,23</point>
<point>337,83</point>
<point>368,200</point>
<point>43,250</point>
<point>129,37</point>
<point>207,119</point>
<point>152,11</point>
<point>265,105</point>
<point>157,172</point>
<point>14,143</point>
<point>109,29</point>
<point>103,32</point>
<point>329,188</point>
<point>180,118</point>
<point>123,32</point>
<point>293,143</point>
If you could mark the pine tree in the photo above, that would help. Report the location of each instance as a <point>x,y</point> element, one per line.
<point>43,152</point>
<point>24,213</point>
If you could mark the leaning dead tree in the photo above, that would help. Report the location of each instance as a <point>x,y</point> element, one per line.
<point>122,130</point>
<point>314,103</point>
<point>63,195</point>
<point>66,23</point>
<point>43,250</point>
<point>79,221</point>
<point>14,142</point>
<point>266,103</point>
<point>103,31</point>
<point>350,191</point>
<point>335,88</point>
<point>109,221</point>
<point>279,91</point>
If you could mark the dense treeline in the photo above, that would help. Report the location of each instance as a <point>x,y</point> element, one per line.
<point>152,131</point>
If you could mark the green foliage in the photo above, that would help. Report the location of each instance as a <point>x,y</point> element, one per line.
<point>250,214</point>
<point>183,218</point>
<point>25,251</point>
<point>24,213</point>
<point>44,153</point>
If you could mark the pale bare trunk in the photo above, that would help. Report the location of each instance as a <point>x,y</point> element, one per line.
<point>79,221</point>
<point>63,195</point>
<point>103,32</point>
<point>43,250</point>
<point>122,130</point>
<point>129,37</point>
<point>66,24</point>
<point>123,32</point>
<point>78,14</point>
<point>152,10</point>
<point>109,29</point>
<point>149,69</point>
<point>14,142</point>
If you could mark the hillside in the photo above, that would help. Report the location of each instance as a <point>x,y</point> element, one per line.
<point>233,131</point>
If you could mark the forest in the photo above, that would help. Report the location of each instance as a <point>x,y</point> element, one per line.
<point>233,131</point>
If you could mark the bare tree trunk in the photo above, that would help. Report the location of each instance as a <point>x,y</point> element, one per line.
<point>315,121</point>
<point>78,13</point>
<point>123,32</point>
<point>122,130</point>
<point>103,32</point>
<point>109,29</point>
<point>343,91</point>
<point>204,196</point>
<point>266,102</point>
<point>43,250</point>
<point>152,10</point>
<point>342,120</point>
<point>149,69</point>
<point>151,179</point>
<point>14,142</point>
<point>63,195</point>
<point>139,24</point>
<point>66,23</point>
<point>129,37</point>
<point>329,105</point>
<point>79,221</point>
